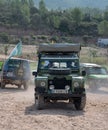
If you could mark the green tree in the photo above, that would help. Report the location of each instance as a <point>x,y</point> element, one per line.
<point>44,14</point>
<point>64,25</point>
<point>36,20</point>
<point>87,17</point>
<point>4,37</point>
<point>106,15</point>
<point>31,3</point>
<point>77,15</point>
<point>25,11</point>
<point>53,20</point>
<point>103,28</point>
<point>42,8</point>
<point>20,13</point>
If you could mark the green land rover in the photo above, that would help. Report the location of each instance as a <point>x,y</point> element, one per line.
<point>96,75</point>
<point>58,75</point>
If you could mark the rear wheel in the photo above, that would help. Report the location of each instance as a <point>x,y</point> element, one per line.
<point>2,85</point>
<point>25,85</point>
<point>80,103</point>
<point>19,86</point>
<point>39,102</point>
<point>54,100</point>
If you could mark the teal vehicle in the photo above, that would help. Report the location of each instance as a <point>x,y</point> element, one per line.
<point>1,65</point>
<point>58,75</point>
<point>96,75</point>
<point>15,71</point>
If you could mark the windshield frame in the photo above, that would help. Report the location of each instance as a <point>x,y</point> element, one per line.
<point>60,61</point>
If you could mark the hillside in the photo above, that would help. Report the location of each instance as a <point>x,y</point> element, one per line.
<point>63,4</point>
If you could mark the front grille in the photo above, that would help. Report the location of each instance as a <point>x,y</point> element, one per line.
<point>59,83</point>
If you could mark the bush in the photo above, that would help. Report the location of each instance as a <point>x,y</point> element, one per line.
<point>42,37</point>
<point>54,39</point>
<point>4,37</point>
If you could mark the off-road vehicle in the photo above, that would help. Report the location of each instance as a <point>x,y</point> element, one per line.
<point>58,75</point>
<point>1,64</point>
<point>16,71</point>
<point>96,75</point>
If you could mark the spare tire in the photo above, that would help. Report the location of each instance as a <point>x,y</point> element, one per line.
<point>59,71</point>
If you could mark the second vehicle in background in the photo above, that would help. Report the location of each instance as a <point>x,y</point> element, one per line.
<point>96,75</point>
<point>16,71</point>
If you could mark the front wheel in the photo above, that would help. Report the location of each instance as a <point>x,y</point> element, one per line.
<point>80,103</point>
<point>39,102</point>
<point>92,85</point>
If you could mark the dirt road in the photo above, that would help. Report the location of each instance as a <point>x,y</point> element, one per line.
<point>17,112</point>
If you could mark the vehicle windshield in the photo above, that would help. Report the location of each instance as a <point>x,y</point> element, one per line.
<point>97,70</point>
<point>12,64</point>
<point>59,63</point>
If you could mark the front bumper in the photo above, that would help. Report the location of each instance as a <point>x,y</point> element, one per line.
<point>79,92</point>
<point>13,81</point>
<point>61,96</point>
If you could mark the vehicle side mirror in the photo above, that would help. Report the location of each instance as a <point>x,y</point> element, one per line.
<point>83,73</point>
<point>34,73</point>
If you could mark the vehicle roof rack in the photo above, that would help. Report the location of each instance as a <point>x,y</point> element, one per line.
<point>59,47</point>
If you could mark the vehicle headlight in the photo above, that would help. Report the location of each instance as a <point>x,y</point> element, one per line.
<point>51,87</point>
<point>43,84</point>
<point>67,87</point>
<point>76,84</point>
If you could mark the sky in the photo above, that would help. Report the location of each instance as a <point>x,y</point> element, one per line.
<point>63,4</point>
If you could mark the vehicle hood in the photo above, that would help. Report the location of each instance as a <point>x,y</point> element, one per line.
<point>98,76</point>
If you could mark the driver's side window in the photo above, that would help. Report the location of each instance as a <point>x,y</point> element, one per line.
<point>45,64</point>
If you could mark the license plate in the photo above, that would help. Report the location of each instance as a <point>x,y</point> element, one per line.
<point>60,91</point>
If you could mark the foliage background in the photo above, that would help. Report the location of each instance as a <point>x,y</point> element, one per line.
<point>22,17</point>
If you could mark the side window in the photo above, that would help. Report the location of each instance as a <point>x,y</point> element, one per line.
<point>44,64</point>
<point>74,64</point>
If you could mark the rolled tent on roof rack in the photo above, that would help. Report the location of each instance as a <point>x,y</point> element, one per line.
<point>59,47</point>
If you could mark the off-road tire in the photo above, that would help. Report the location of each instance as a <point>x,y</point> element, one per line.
<point>19,86</point>
<point>54,101</point>
<point>39,102</point>
<point>2,85</point>
<point>92,85</point>
<point>80,103</point>
<point>25,84</point>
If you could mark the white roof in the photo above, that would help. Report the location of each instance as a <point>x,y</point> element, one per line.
<point>17,58</point>
<point>90,64</point>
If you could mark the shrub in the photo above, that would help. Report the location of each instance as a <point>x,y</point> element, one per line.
<point>4,37</point>
<point>54,39</point>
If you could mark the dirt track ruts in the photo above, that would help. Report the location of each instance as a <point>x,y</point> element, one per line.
<point>17,112</point>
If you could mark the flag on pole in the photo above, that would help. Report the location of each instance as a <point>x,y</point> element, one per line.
<point>17,51</point>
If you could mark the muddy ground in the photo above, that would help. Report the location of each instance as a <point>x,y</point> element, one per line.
<point>17,112</point>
